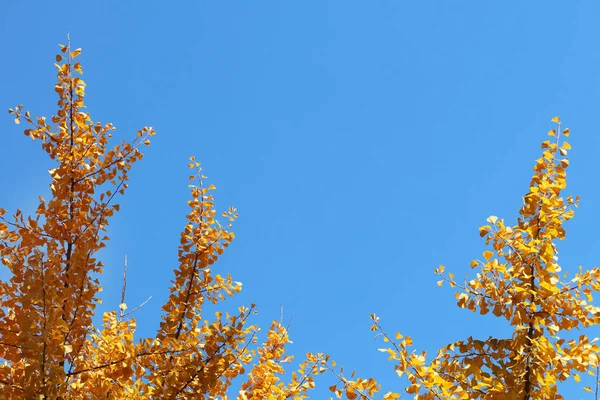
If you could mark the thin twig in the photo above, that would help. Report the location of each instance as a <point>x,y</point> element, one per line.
<point>137,308</point>
<point>123,289</point>
<point>597,371</point>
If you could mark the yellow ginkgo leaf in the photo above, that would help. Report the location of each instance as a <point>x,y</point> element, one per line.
<point>75,53</point>
<point>492,219</point>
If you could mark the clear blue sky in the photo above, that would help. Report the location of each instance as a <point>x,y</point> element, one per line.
<point>363,142</point>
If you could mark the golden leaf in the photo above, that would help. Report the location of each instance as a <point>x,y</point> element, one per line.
<point>75,53</point>
<point>487,255</point>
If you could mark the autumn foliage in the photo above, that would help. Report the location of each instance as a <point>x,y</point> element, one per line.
<point>519,280</point>
<point>50,349</point>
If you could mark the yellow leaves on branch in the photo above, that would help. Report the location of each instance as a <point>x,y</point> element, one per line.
<point>49,301</point>
<point>518,280</point>
<point>51,348</point>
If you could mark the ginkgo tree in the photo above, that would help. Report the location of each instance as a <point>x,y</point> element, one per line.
<point>49,347</point>
<point>518,279</point>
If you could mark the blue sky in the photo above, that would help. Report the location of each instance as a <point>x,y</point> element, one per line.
<point>363,143</point>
